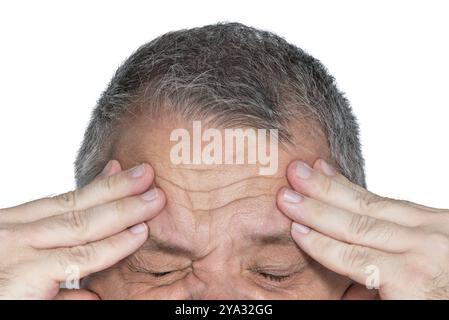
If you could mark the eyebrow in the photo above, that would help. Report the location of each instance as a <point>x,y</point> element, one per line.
<point>155,244</point>
<point>281,238</point>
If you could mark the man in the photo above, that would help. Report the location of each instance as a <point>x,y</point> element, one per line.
<point>215,227</point>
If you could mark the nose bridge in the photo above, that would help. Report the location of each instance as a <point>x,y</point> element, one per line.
<point>219,272</point>
<point>219,255</point>
<point>222,294</point>
<point>217,287</point>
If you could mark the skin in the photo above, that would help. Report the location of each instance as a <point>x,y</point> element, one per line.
<point>89,229</point>
<point>225,225</point>
<point>201,225</point>
<point>349,229</point>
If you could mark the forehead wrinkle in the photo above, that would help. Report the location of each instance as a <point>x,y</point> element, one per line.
<point>235,201</point>
<point>199,173</point>
<point>216,198</point>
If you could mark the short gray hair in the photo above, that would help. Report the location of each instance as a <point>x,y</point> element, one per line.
<point>231,75</point>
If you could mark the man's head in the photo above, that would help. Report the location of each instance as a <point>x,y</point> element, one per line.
<point>220,234</point>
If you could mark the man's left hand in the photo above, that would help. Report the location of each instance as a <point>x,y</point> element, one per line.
<point>401,248</point>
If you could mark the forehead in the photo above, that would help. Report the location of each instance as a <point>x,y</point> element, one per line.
<point>208,203</point>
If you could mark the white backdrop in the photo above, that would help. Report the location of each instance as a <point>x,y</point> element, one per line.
<point>390,57</point>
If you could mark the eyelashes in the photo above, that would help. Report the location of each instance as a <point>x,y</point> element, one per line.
<point>274,277</point>
<point>160,274</point>
<point>269,276</point>
<point>139,269</point>
<point>260,273</point>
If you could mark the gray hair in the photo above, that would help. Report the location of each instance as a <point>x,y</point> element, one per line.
<point>231,75</point>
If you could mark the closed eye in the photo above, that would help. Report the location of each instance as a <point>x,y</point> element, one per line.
<point>140,269</point>
<point>274,277</point>
<point>160,274</point>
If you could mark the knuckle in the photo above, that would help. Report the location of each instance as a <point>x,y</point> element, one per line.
<point>118,212</point>
<point>355,256</point>
<point>368,202</point>
<point>321,244</point>
<point>119,206</point>
<point>383,231</point>
<point>67,200</point>
<point>320,210</point>
<point>109,183</point>
<point>326,186</point>
<point>77,255</point>
<point>319,206</point>
<point>360,226</point>
<point>76,221</point>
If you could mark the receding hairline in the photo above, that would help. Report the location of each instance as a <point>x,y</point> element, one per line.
<point>228,70</point>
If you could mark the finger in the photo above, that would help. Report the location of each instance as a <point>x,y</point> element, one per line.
<point>326,189</point>
<point>80,227</point>
<point>111,168</point>
<point>363,265</point>
<point>79,294</point>
<point>347,226</point>
<point>109,188</point>
<point>95,256</point>
<point>329,170</point>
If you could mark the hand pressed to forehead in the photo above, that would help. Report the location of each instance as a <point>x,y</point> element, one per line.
<point>220,234</point>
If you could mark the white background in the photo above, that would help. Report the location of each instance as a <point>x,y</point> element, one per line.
<point>390,57</point>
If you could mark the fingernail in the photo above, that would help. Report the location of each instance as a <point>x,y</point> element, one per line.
<point>303,170</point>
<point>106,168</point>
<point>292,196</point>
<point>137,171</point>
<point>150,195</point>
<point>328,170</point>
<point>138,228</point>
<point>297,227</point>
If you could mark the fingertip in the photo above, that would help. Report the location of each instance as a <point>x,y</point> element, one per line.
<point>300,228</point>
<point>291,175</point>
<point>280,201</point>
<point>301,234</point>
<point>326,168</point>
<point>317,165</point>
<point>148,174</point>
<point>298,176</point>
<point>139,178</point>
<point>297,237</point>
<point>112,167</point>
<point>155,201</point>
<point>115,167</point>
<point>148,170</point>
<point>139,229</point>
<point>280,195</point>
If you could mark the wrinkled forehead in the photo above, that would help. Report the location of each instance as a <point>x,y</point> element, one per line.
<point>232,198</point>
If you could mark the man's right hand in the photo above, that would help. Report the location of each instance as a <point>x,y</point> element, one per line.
<point>44,241</point>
